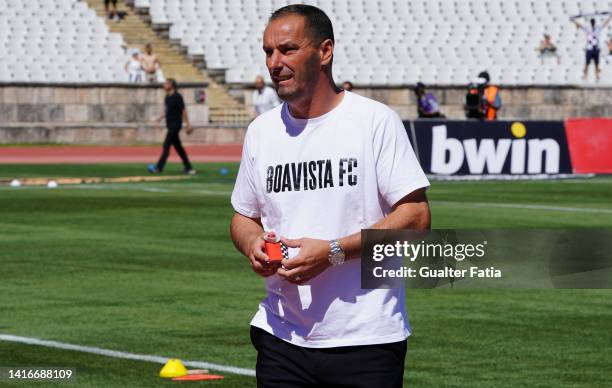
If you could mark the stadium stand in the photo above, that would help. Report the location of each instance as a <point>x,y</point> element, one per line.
<point>137,33</point>
<point>62,77</point>
<point>69,41</point>
<point>378,43</point>
<point>57,42</point>
<point>443,42</point>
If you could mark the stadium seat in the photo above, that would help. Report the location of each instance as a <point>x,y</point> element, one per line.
<point>381,37</point>
<point>443,42</point>
<point>39,43</point>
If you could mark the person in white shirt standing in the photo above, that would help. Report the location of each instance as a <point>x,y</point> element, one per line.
<point>316,170</point>
<point>264,97</point>
<point>134,68</point>
<point>592,45</point>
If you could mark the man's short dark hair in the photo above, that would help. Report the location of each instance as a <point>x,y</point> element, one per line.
<point>318,24</point>
<point>173,83</point>
<point>485,75</point>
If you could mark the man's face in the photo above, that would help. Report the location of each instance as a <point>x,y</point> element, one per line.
<point>148,50</point>
<point>259,83</point>
<point>167,86</point>
<point>292,60</point>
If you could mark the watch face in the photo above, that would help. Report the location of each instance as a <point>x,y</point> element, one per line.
<point>337,258</point>
<point>337,255</point>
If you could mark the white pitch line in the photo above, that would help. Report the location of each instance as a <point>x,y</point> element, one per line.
<point>526,206</point>
<point>150,189</point>
<point>156,190</point>
<point>124,355</point>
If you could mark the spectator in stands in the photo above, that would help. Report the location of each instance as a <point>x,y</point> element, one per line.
<point>491,100</point>
<point>427,104</point>
<point>134,68</point>
<point>347,85</point>
<point>547,49</point>
<point>174,113</point>
<point>150,64</point>
<point>592,45</point>
<point>111,13</point>
<point>609,56</point>
<point>264,97</point>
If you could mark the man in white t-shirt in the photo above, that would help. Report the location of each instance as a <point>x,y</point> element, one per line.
<point>592,45</point>
<point>318,169</point>
<point>264,97</point>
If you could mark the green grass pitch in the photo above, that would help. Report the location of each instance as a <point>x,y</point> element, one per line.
<point>149,268</point>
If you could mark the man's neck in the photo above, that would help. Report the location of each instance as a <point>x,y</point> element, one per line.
<point>318,104</point>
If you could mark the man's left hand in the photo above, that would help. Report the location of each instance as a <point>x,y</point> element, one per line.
<point>310,261</point>
<point>189,129</point>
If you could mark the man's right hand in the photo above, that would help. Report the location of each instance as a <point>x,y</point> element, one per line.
<point>259,259</point>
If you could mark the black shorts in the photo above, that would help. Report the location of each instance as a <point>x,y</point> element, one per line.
<point>113,2</point>
<point>281,364</point>
<point>592,55</point>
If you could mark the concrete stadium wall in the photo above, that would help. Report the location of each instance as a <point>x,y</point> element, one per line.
<point>120,114</point>
<point>525,103</point>
<point>89,104</point>
<point>112,134</point>
<point>99,114</point>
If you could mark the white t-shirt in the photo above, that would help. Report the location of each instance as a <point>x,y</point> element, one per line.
<point>326,178</point>
<point>592,35</point>
<point>134,68</point>
<point>264,101</point>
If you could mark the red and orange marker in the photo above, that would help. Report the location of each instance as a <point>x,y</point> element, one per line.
<point>274,248</point>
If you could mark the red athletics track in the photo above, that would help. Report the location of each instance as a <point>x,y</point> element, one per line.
<point>115,154</point>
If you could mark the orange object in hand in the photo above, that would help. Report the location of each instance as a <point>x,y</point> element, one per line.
<point>275,249</point>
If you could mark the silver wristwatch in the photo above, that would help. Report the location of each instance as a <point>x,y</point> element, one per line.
<point>336,254</point>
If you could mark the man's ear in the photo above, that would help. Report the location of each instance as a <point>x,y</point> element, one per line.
<point>326,50</point>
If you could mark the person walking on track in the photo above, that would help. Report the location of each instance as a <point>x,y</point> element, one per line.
<point>174,113</point>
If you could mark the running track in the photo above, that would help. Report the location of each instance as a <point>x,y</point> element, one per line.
<point>112,154</point>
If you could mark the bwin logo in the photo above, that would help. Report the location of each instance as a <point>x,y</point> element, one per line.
<point>530,152</point>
